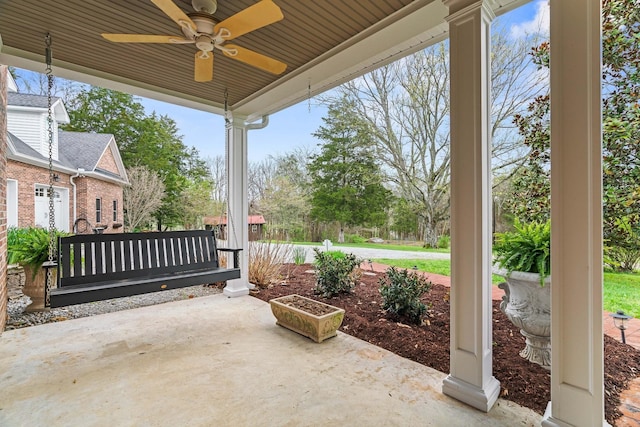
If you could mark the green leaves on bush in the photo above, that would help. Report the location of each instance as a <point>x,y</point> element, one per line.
<point>335,275</point>
<point>29,246</point>
<point>401,292</point>
<point>527,249</point>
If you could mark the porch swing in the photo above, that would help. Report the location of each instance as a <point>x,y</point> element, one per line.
<point>94,267</point>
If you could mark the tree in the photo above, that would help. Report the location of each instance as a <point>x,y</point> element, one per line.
<point>621,137</point>
<point>142,198</point>
<point>279,189</point>
<point>218,174</point>
<point>406,106</point>
<point>288,202</point>
<point>144,140</point>
<point>196,203</point>
<point>345,175</point>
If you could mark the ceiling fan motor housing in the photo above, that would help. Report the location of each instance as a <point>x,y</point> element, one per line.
<point>204,23</point>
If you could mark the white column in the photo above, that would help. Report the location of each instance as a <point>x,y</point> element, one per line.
<point>471,379</point>
<point>237,211</point>
<point>577,396</point>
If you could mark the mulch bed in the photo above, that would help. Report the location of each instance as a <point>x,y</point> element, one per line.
<point>522,382</point>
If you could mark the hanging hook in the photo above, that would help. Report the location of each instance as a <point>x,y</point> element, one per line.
<point>227,121</point>
<point>48,54</point>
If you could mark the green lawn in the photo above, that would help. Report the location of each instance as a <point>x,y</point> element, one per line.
<point>621,291</point>
<point>391,247</point>
<point>436,266</point>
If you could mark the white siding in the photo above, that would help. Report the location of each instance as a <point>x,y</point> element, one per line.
<point>31,128</point>
<point>55,140</point>
<point>27,126</point>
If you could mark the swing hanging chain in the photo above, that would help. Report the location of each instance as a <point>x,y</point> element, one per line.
<point>52,220</point>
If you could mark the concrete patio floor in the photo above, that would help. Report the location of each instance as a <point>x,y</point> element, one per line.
<point>216,361</point>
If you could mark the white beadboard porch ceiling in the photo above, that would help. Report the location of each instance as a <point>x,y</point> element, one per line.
<point>323,43</point>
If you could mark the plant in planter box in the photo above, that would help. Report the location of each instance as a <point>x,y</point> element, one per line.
<point>523,258</point>
<point>29,247</point>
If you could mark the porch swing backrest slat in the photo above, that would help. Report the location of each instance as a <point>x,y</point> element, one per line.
<point>102,266</point>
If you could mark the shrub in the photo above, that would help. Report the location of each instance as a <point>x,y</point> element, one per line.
<point>335,275</point>
<point>354,238</point>
<point>299,255</point>
<point>265,261</point>
<point>29,246</point>
<point>335,254</point>
<point>444,241</point>
<point>527,249</point>
<point>401,292</point>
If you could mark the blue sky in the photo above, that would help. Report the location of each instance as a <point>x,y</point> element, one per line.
<point>294,126</point>
<point>287,129</point>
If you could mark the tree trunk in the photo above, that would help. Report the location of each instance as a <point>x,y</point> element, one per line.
<point>341,236</point>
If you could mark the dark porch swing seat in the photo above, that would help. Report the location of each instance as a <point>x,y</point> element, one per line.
<point>96,267</point>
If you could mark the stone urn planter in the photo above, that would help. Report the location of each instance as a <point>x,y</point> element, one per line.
<point>307,317</point>
<point>527,304</point>
<point>34,285</point>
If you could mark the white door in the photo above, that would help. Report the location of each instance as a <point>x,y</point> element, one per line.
<point>60,207</point>
<point>12,203</point>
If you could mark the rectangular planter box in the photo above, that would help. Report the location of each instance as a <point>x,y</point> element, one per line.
<point>293,312</point>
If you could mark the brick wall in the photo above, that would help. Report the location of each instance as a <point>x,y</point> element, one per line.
<point>3,197</point>
<point>88,190</point>
<point>27,176</point>
<point>108,162</point>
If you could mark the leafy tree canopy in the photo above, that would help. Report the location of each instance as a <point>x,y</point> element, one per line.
<point>144,140</point>
<point>346,176</point>
<point>621,135</point>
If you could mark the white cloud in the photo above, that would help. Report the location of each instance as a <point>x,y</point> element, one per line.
<point>539,24</point>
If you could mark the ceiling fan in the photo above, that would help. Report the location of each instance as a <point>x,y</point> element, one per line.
<point>203,30</point>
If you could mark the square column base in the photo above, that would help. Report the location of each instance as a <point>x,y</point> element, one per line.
<point>236,288</point>
<point>549,421</point>
<point>482,399</point>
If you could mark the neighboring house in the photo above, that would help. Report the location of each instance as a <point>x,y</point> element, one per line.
<point>89,175</point>
<point>219,223</point>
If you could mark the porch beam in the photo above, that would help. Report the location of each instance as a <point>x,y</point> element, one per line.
<point>471,377</point>
<point>238,208</point>
<point>577,389</point>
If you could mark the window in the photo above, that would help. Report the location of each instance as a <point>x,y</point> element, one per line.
<point>254,228</point>
<point>115,210</point>
<point>98,211</point>
<point>39,191</point>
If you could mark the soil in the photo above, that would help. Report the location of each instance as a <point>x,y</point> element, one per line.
<point>521,381</point>
<point>308,306</point>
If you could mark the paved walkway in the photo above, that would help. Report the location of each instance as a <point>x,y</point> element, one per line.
<point>370,253</point>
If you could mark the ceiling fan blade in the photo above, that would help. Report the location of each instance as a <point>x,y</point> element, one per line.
<point>174,12</point>
<point>145,38</point>
<point>203,67</point>
<point>255,59</point>
<point>257,16</point>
